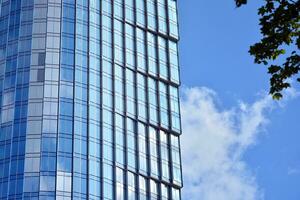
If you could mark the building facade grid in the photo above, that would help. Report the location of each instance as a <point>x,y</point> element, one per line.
<point>89,100</point>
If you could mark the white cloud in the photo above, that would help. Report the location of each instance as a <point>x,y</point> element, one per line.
<point>293,171</point>
<point>213,144</point>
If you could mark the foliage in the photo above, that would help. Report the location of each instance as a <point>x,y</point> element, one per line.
<point>280,28</point>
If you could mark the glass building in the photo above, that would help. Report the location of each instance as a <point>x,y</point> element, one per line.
<point>89,100</point>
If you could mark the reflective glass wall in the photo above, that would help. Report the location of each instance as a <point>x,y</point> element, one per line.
<point>89,100</point>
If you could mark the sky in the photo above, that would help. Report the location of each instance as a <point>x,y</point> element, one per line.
<point>237,143</point>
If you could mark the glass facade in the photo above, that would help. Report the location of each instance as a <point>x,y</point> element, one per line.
<point>89,100</point>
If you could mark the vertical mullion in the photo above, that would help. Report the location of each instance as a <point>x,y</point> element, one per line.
<point>101,105</point>
<point>147,139</point>
<point>88,100</point>
<point>74,83</point>
<point>114,181</point>
<point>125,146</point>
<point>58,103</point>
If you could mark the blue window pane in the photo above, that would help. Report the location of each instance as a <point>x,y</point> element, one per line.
<point>66,126</point>
<point>64,164</point>
<point>48,163</point>
<point>31,184</point>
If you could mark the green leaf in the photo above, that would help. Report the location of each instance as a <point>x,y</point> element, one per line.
<point>280,30</point>
<point>239,3</point>
<point>274,69</point>
<point>277,96</point>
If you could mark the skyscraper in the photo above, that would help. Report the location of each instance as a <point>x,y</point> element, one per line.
<point>89,100</point>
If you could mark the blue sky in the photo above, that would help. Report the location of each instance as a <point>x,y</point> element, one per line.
<point>221,82</point>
